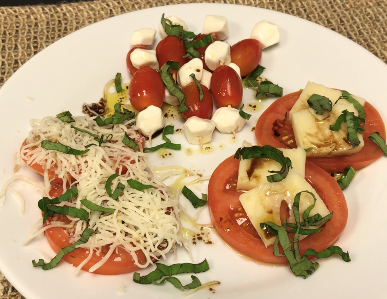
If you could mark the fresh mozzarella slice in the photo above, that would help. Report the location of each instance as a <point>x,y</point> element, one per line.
<point>254,172</point>
<point>196,128</point>
<point>217,25</point>
<point>170,99</point>
<point>150,120</point>
<point>263,203</point>
<point>235,68</point>
<point>141,57</point>
<point>216,54</point>
<point>228,120</point>
<point>144,36</point>
<point>175,21</point>
<point>206,78</point>
<point>266,33</point>
<point>194,66</point>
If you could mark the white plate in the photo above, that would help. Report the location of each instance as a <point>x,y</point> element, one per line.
<point>74,70</point>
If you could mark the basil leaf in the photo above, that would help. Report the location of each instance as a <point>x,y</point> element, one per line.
<point>137,185</point>
<point>328,252</point>
<point>251,81</point>
<point>170,145</point>
<point>191,53</point>
<point>57,146</point>
<point>319,103</point>
<point>62,252</point>
<point>168,130</point>
<point>174,269</point>
<point>243,114</point>
<point>130,142</point>
<point>175,30</point>
<point>198,86</point>
<point>117,82</point>
<point>268,89</point>
<point>360,109</point>
<point>353,123</point>
<point>120,187</point>
<point>95,136</point>
<point>197,44</point>
<point>177,284</point>
<point>270,152</point>
<point>346,177</point>
<point>117,118</point>
<point>66,116</point>
<point>82,214</point>
<point>379,141</point>
<point>195,201</point>
<point>93,207</point>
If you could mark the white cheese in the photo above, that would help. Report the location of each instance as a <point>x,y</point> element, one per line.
<point>228,120</point>
<point>141,57</point>
<point>216,54</point>
<point>175,21</point>
<point>206,78</point>
<point>194,66</point>
<point>217,25</point>
<point>266,33</point>
<point>150,120</point>
<point>196,128</point>
<point>170,99</point>
<point>235,68</point>
<point>144,36</point>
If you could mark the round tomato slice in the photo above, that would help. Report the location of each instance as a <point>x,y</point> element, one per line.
<point>234,227</point>
<point>119,262</point>
<point>265,134</point>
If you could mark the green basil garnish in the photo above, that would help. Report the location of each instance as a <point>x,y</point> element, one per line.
<point>198,86</point>
<point>197,44</point>
<point>268,89</point>
<point>360,109</point>
<point>169,145</point>
<point>251,81</point>
<point>270,152</point>
<point>195,201</point>
<point>243,114</point>
<point>120,187</point>
<point>191,53</point>
<point>354,125</point>
<point>117,118</point>
<point>66,116</point>
<point>168,130</point>
<point>346,177</point>
<point>137,185</point>
<point>82,214</point>
<point>117,82</point>
<point>93,207</point>
<point>130,142</point>
<point>168,271</point>
<point>175,30</point>
<point>319,103</point>
<point>82,240</point>
<point>57,146</point>
<point>379,141</point>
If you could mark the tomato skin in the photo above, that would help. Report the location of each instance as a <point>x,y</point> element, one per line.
<point>171,48</point>
<point>129,64</point>
<point>246,54</point>
<point>224,204</point>
<point>202,50</point>
<point>203,108</point>
<point>146,88</point>
<point>226,87</point>
<point>369,153</point>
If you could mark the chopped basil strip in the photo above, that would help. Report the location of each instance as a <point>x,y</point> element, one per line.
<point>319,103</point>
<point>300,265</point>
<point>82,240</point>
<point>117,82</point>
<point>308,149</point>
<point>251,81</point>
<point>57,146</point>
<point>175,30</point>
<point>168,271</point>
<point>174,65</point>
<point>243,114</point>
<point>197,44</point>
<point>130,142</point>
<point>198,86</point>
<point>137,185</point>
<point>169,145</point>
<point>191,53</point>
<point>66,116</point>
<point>354,124</point>
<point>268,89</point>
<point>195,201</point>
<point>97,138</point>
<point>360,109</point>
<point>346,177</point>
<point>168,130</point>
<point>120,187</point>
<point>173,88</point>
<point>379,141</point>
<point>93,207</point>
<point>82,214</point>
<point>270,152</point>
<point>117,118</point>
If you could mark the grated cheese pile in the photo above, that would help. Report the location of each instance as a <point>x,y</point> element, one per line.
<point>143,220</point>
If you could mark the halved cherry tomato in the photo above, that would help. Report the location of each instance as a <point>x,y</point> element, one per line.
<point>129,64</point>
<point>171,48</point>
<point>226,86</point>
<point>234,227</point>
<point>246,54</point>
<point>203,108</point>
<point>202,50</point>
<point>370,152</point>
<point>146,89</point>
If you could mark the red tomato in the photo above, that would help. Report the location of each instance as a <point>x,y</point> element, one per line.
<point>226,212</point>
<point>370,152</point>
<point>146,89</point>
<point>203,108</point>
<point>202,50</point>
<point>129,64</point>
<point>246,54</point>
<point>226,87</point>
<point>171,48</point>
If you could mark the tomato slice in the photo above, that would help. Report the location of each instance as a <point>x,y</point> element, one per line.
<point>276,111</point>
<point>234,227</point>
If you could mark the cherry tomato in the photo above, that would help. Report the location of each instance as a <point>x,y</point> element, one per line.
<point>202,50</point>
<point>146,88</point>
<point>226,86</point>
<point>203,108</point>
<point>246,54</point>
<point>171,48</point>
<point>129,64</point>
